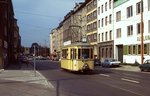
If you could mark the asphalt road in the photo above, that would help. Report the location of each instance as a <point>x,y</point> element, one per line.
<point>100,82</point>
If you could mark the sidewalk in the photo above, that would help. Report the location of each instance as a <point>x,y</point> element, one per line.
<point>128,68</point>
<point>20,80</point>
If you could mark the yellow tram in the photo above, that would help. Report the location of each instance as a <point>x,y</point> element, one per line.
<point>77,57</point>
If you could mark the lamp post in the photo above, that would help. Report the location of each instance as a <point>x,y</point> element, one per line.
<point>34,63</point>
<point>142,31</point>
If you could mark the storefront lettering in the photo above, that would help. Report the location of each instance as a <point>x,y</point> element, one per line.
<point>147,37</point>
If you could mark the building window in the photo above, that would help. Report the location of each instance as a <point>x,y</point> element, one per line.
<point>139,49</point>
<point>110,35</point>
<point>102,9</point>
<point>95,36</point>
<point>106,20</point>
<point>111,52</point>
<point>99,23</point>
<point>102,36</point>
<point>110,19</point>
<point>118,33</point>
<point>109,4</point>
<point>106,6</point>
<point>95,25</point>
<point>129,49</point>
<point>95,2</point>
<point>106,36</point>
<point>102,52</point>
<point>99,36</point>
<point>5,14</point>
<point>98,10</point>
<point>145,49</point>
<point>134,49</point>
<point>118,16</point>
<point>139,5</point>
<point>5,31</point>
<point>129,11</point>
<point>138,28</point>
<point>95,14</point>
<point>102,22</point>
<point>130,30</point>
<point>149,26</point>
<point>106,52</point>
<point>88,28</point>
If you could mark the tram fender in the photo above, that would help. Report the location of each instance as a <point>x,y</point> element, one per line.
<point>85,67</point>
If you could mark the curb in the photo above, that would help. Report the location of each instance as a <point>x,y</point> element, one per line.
<point>1,70</point>
<point>128,68</point>
<point>47,83</point>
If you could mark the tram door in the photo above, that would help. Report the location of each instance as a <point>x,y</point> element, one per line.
<point>73,58</point>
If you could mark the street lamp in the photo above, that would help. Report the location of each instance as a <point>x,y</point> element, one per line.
<point>142,31</point>
<point>34,62</point>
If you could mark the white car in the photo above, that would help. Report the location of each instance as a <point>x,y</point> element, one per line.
<point>110,62</point>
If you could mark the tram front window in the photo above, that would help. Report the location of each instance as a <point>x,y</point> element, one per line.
<point>84,54</point>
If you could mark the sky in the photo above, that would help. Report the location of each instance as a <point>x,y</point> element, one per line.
<point>36,18</point>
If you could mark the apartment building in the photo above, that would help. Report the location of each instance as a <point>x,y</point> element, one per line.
<point>67,36</point>
<point>91,15</point>
<point>53,40</point>
<point>9,36</point>
<point>60,39</point>
<point>127,30</point>
<point>105,29</point>
<point>78,22</point>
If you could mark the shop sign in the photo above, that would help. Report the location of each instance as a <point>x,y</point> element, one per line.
<point>145,38</point>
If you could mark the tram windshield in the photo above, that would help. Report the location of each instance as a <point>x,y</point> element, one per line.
<point>85,53</point>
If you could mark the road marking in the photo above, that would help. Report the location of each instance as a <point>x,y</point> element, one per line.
<point>129,80</point>
<point>126,90</point>
<point>105,75</point>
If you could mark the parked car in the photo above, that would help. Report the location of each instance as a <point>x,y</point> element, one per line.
<point>108,62</point>
<point>145,66</point>
<point>24,59</point>
<point>97,62</point>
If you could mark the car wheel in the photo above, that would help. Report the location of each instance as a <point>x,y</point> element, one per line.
<point>142,70</point>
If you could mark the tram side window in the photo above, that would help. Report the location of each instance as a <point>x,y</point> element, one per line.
<point>73,54</point>
<point>64,53</point>
<point>79,54</point>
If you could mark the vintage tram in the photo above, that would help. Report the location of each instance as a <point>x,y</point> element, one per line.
<point>77,57</point>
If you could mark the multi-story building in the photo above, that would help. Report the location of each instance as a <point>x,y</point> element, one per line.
<point>7,33</point>
<point>53,40</point>
<point>78,22</point>
<point>17,41</point>
<point>105,29</point>
<point>60,39</point>
<point>67,36</point>
<point>3,33</point>
<point>91,15</point>
<point>127,30</point>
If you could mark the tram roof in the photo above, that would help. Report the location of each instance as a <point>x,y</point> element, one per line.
<point>79,44</point>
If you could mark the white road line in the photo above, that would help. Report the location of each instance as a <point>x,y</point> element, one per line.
<point>129,80</point>
<point>105,75</point>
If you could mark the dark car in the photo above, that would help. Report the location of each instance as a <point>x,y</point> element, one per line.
<point>145,66</point>
<point>97,62</point>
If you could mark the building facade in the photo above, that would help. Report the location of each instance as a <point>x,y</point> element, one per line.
<point>9,34</point>
<point>67,36</point>
<point>127,30</point>
<point>78,24</point>
<point>105,29</point>
<point>91,16</point>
